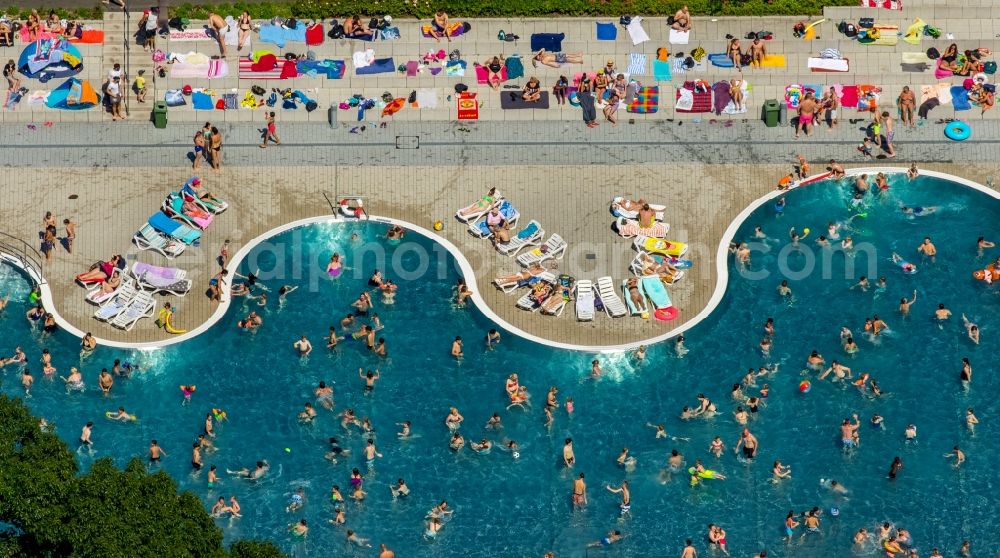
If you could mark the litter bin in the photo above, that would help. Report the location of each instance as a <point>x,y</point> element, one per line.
<point>331,115</point>
<point>160,114</point>
<point>771,110</point>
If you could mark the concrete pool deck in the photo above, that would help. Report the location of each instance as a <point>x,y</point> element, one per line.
<point>566,199</point>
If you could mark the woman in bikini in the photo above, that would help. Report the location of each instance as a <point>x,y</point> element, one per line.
<point>734,53</point>
<point>493,68</point>
<point>601,83</point>
<point>245,24</point>
<point>483,204</point>
<point>34,26</point>
<point>736,92</point>
<point>949,60</point>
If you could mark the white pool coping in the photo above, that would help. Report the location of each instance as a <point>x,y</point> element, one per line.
<point>721,262</point>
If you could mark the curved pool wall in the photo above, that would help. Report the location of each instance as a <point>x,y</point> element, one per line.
<point>721,263</point>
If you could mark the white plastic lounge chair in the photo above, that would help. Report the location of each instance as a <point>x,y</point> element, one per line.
<point>157,279</point>
<point>639,268</point>
<point>110,309</point>
<point>148,238</point>
<point>629,228</point>
<point>98,296</point>
<point>632,308</point>
<point>530,235</point>
<point>613,305</point>
<point>584,300</point>
<point>528,303</point>
<point>480,229</point>
<point>554,247</point>
<point>212,203</point>
<point>619,212</point>
<point>479,208</point>
<point>174,207</point>
<point>141,306</point>
<point>511,286</point>
<point>555,304</point>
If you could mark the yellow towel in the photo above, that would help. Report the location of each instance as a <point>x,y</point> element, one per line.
<point>914,32</point>
<point>773,61</point>
<point>810,32</point>
<point>887,35</point>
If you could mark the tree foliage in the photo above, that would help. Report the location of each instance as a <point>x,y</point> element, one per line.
<point>54,511</point>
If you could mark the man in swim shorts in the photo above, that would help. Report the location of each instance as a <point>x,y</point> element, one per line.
<point>848,431</point>
<point>807,110</point>
<point>579,492</point>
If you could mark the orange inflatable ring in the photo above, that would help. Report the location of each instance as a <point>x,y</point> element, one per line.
<point>665,314</point>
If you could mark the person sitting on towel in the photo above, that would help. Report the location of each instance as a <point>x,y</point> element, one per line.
<point>532,91</point>
<point>682,19</point>
<point>736,92</point>
<point>556,60</point>
<point>758,51</point>
<point>735,53</point>
<point>493,68</point>
<point>949,60</point>
<point>982,97</point>
<point>439,26</point>
<point>353,27</point>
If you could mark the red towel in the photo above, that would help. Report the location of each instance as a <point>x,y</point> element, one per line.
<point>289,70</point>
<point>265,64</point>
<point>849,96</point>
<point>220,104</point>
<point>314,34</point>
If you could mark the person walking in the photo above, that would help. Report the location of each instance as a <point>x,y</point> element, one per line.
<point>587,103</point>
<point>270,133</point>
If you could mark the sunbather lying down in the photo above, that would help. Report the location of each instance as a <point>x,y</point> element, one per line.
<point>556,59</point>
<point>101,271</point>
<point>480,206</point>
<point>660,267</point>
<point>533,270</point>
<point>622,205</point>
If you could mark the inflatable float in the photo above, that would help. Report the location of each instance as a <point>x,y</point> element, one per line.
<point>990,274</point>
<point>352,208</point>
<point>659,246</point>
<point>904,265</point>
<point>957,130</point>
<point>163,320</point>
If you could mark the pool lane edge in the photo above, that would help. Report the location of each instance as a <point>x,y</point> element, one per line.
<point>721,261</point>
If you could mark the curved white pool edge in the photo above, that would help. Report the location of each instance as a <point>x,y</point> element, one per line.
<point>721,262</point>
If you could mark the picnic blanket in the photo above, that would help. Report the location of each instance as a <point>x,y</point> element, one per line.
<point>646,101</point>
<point>551,42</point>
<point>960,98</point>
<point>914,32</point>
<point>692,99</point>
<point>679,37</point>
<point>201,101</point>
<point>185,70</point>
<point>482,74</point>
<point>514,67</point>
<point>606,31</point>
<point>379,66</point>
<point>363,58</point>
<point>189,35</point>
<point>512,100</point>
<point>332,69</point>
<point>174,98</point>
<point>26,37</point>
<point>230,101</point>
<point>636,31</point>
<point>849,96</point>
<point>661,70</point>
<point>794,94</point>
<point>678,66</point>
<point>454,29</point>
<point>915,67</point>
<point>828,64</point>
<point>279,35</point>
<point>259,70</point>
<point>468,106</point>
<point>637,64</point>
<point>939,91</point>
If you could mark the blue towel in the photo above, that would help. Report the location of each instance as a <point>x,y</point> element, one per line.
<point>174,98</point>
<point>201,101</point>
<point>551,42</point>
<point>960,98</point>
<point>661,70</point>
<point>379,66</point>
<point>278,35</point>
<point>720,60</point>
<point>606,31</point>
<point>162,223</point>
<point>515,69</point>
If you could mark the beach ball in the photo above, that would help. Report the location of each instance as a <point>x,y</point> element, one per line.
<point>645,315</point>
<point>805,230</point>
<point>834,512</point>
<point>805,386</point>
<point>438,226</point>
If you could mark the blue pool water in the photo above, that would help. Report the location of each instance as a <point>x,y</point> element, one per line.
<point>521,507</point>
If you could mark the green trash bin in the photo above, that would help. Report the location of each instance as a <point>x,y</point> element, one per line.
<point>771,111</point>
<point>160,114</point>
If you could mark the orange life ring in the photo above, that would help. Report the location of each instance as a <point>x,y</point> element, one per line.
<point>980,274</point>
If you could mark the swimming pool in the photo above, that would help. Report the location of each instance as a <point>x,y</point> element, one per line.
<point>514,507</point>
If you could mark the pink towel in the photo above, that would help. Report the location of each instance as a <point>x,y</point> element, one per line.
<point>849,97</point>
<point>941,74</point>
<point>411,68</point>
<point>217,68</point>
<point>482,74</point>
<point>631,228</point>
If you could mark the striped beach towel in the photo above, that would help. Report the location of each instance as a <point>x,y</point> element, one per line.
<point>247,73</point>
<point>631,227</point>
<point>637,64</point>
<point>217,68</point>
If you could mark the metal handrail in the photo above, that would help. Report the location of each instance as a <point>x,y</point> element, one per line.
<point>25,253</point>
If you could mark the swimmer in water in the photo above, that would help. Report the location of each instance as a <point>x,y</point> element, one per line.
<point>308,414</point>
<point>847,244</point>
<point>958,454</point>
<point>303,346</point>
<point>626,503</point>
<point>815,360</point>
<point>850,347</point>
<point>405,432</point>
<point>918,211</point>
<point>970,419</point>
<point>679,347</point>
<point>783,289</point>
<point>971,329</point>
<point>927,249</point>
<point>942,313</point>
<point>595,369</point>
<point>456,347</point>
<point>904,305</point>
<point>861,284</point>
<point>257,473</point>
<point>492,338</point>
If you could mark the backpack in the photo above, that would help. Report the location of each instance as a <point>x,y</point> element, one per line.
<point>850,30</point>
<point>698,54</point>
<point>336,30</point>
<point>750,36</point>
<point>932,32</point>
<point>933,53</point>
<point>866,22</point>
<point>292,23</point>
<point>625,20</point>
<point>990,67</point>
<point>455,55</point>
<point>745,59</point>
<point>257,90</point>
<point>689,62</point>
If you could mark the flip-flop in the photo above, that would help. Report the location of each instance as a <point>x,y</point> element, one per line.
<point>32,127</point>
<point>48,123</point>
<point>728,124</point>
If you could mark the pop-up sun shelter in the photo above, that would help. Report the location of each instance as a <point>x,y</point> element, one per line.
<point>45,59</point>
<point>73,94</point>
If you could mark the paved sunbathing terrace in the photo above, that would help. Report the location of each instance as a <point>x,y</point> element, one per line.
<point>118,185</point>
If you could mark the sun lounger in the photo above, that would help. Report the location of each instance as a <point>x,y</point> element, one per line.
<point>99,296</point>
<point>584,300</point>
<point>148,238</point>
<point>629,228</point>
<point>664,310</point>
<point>110,309</point>
<point>555,304</point>
<point>632,308</point>
<point>613,305</point>
<point>660,246</point>
<point>479,208</point>
<point>157,279</point>
<point>640,269</point>
<point>479,228</point>
<point>174,229</point>
<point>619,212</point>
<point>554,247</point>
<point>511,286</point>
<point>530,235</point>
<point>527,302</point>
<point>139,307</point>
<point>213,204</point>
<point>174,206</point>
